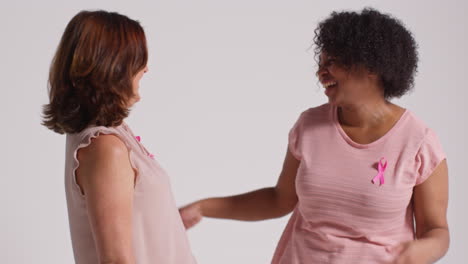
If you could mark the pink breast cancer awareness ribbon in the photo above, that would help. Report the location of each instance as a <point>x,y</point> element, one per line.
<point>138,138</point>
<point>380,176</point>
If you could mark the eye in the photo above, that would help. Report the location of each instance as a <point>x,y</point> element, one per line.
<point>326,62</point>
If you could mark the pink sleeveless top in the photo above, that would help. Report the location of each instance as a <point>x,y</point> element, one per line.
<point>158,233</point>
<point>354,200</point>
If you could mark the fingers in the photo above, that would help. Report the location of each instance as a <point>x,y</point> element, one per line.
<point>398,251</point>
<point>189,216</point>
<point>191,223</point>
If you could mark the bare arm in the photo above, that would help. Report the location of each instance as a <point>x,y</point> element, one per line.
<point>430,209</point>
<point>107,180</point>
<point>260,204</point>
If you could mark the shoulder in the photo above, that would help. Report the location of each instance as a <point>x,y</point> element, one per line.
<point>318,110</point>
<point>104,159</point>
<point>414,135</point>
<point>415,127</point>
<point>316,115</point>
<point>108,148</point>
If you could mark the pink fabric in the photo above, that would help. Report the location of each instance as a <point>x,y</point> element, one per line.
<point>158,233</point>
<point>341,216</point>
<point>138,138</point>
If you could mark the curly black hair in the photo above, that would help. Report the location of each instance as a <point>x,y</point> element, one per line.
<point>377,41</point>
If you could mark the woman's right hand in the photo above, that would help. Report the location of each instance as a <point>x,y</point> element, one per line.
<point>191,214</point>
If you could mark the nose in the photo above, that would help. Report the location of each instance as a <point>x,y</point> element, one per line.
<point>145,70</point>
<point>321,72</point>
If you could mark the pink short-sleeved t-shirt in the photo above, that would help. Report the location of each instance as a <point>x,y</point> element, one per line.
<point>342,216</point>
<point>158,232</point>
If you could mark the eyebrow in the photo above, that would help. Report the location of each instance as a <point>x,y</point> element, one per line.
<point>324,61</point>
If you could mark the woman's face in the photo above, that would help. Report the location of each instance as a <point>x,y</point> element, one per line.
<point>345,86</point>
<point>136,86</point>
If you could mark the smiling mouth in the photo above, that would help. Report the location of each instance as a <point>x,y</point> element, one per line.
<point>329,84</point>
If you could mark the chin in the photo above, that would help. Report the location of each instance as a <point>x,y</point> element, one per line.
<point>333,101</point>
<point>131,104</point>
<point>339,100</point>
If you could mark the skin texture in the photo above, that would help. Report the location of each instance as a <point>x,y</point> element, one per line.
<point>107,179</point>
<point>260,204</point>
<point>136,87</point>
<point>365,116</point>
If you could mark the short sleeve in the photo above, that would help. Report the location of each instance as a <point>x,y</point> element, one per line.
<point>294,138</point>
<point>429,156</point>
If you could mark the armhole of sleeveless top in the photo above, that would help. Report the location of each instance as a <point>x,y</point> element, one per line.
<point>86,142</point>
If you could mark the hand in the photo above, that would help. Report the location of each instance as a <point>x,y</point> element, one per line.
<point>410,253</point>
<point>191,214</point>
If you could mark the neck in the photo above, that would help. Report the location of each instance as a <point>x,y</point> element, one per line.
<point>365,115</point>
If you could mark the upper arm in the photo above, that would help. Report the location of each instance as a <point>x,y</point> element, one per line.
<point>431,200</point>
<point>107,180</point>
<point>286,186</point>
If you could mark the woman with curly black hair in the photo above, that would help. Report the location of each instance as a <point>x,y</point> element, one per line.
<point>359,170</point>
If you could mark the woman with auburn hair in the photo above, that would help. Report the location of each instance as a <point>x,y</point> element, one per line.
<point>359,169</point>
<point>120,205</point>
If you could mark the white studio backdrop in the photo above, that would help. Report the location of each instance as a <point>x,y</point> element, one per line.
<point>227,81</point>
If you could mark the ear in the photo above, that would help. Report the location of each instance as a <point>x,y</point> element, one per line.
<point>373,76</point>
<point>375,79</point>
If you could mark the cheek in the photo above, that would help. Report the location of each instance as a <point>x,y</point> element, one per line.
<point>349,93</point>
<point>136,83</point>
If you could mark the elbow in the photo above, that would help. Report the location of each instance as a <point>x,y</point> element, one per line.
<point>439,240</point>
<point>286,208</point>
<point>446,239</point>
<point>285,204</point>
<point>444,243</point>
<point>282,213</point>
<point>117,260</point>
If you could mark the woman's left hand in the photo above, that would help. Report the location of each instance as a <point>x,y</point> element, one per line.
<point>410,252</point>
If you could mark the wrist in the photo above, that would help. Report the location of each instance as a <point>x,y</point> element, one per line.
<point>201,207</point>
<point>432,248</point>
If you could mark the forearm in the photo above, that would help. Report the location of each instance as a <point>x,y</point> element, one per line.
<point>260,204</point>
<point>118,262</point>
<point>435,242</point>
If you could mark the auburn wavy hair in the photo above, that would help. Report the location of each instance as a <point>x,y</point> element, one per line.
<point>91,75</point>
